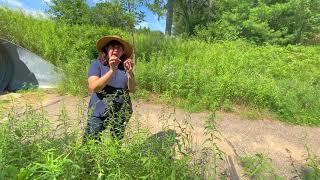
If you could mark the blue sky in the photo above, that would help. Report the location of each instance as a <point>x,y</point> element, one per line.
<point>39,7</point>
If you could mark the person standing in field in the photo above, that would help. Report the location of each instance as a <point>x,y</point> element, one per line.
<point>110,79</point>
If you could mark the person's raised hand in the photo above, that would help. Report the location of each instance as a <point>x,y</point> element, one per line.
<point>128,65</point>
<point>114,62</point>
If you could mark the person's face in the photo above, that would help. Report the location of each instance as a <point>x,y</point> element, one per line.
<point>115,49</point>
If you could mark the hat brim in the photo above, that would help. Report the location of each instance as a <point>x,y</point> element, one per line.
<point>127,47</point>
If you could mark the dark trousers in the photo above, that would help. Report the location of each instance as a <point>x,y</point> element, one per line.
<point>115,120</point>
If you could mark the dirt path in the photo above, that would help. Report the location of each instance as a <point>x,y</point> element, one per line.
<point>283,143</point>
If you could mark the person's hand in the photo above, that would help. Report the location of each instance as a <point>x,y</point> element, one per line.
<point>114,62</point>
<point>128,65</point>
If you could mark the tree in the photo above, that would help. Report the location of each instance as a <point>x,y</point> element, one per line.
<point>191,13</point>
<point>69,11</point>
<point>132,7</point>
<point>110,14</point>
<point>185,15</point>
<point>169,17</point>
<point>122,14</point>
<point>163,8</point>
<point>265,21</point>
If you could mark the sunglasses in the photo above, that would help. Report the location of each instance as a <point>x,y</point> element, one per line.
<point>112,44</point>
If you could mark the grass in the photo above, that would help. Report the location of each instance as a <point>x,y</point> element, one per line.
<point>254,113</point>
<point>191,74</point>
<point>258,166</point>
<point>34,146</point>
<point>311,169</point>
<point>210,75</point>
<point>70,48</point>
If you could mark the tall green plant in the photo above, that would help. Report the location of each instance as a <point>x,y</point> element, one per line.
<point>198,75</point>
<point>71,48</point>
<point>69,11</point>
<point>275,22</point>
<point>30,147</point>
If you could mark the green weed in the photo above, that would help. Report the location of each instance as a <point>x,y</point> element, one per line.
<point>311,169</point>
<point>32,146</point>
<point>258,166</point>
<point>202,76</point>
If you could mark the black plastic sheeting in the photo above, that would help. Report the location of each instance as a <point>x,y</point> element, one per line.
<point>22,69</point>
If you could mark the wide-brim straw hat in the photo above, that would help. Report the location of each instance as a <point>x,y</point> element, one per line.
<point>127,47</point>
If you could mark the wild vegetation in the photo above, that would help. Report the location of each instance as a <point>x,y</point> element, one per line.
<point>279,22</point>
<point>259,166</point>
<point>200,75</point>
<point>252,53</point>
<point>33,147</point>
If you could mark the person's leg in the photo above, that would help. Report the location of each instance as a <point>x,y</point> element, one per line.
<point>118,128</point>
<point>120,118</point>
<point>95,125</point>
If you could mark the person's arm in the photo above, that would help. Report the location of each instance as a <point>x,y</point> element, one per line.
<point>96,83</point>
<point>131,82</point>
<point>128,65</point>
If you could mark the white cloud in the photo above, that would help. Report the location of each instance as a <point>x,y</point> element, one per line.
<point>18,5</point>
<point>94,2</point>
<point>46,1</point>
<point>142,25</point>
<point>12,3</point>
<point>158,24</point>
<point>36,13</point>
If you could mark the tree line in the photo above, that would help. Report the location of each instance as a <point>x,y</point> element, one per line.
<point>261,21</point>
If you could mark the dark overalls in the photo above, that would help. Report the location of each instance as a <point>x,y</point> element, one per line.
<point>110,108</point>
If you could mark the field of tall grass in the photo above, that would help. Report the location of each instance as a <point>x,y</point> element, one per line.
<point>33,147</point>
<point>193,74</point>
<point>286,80</point>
